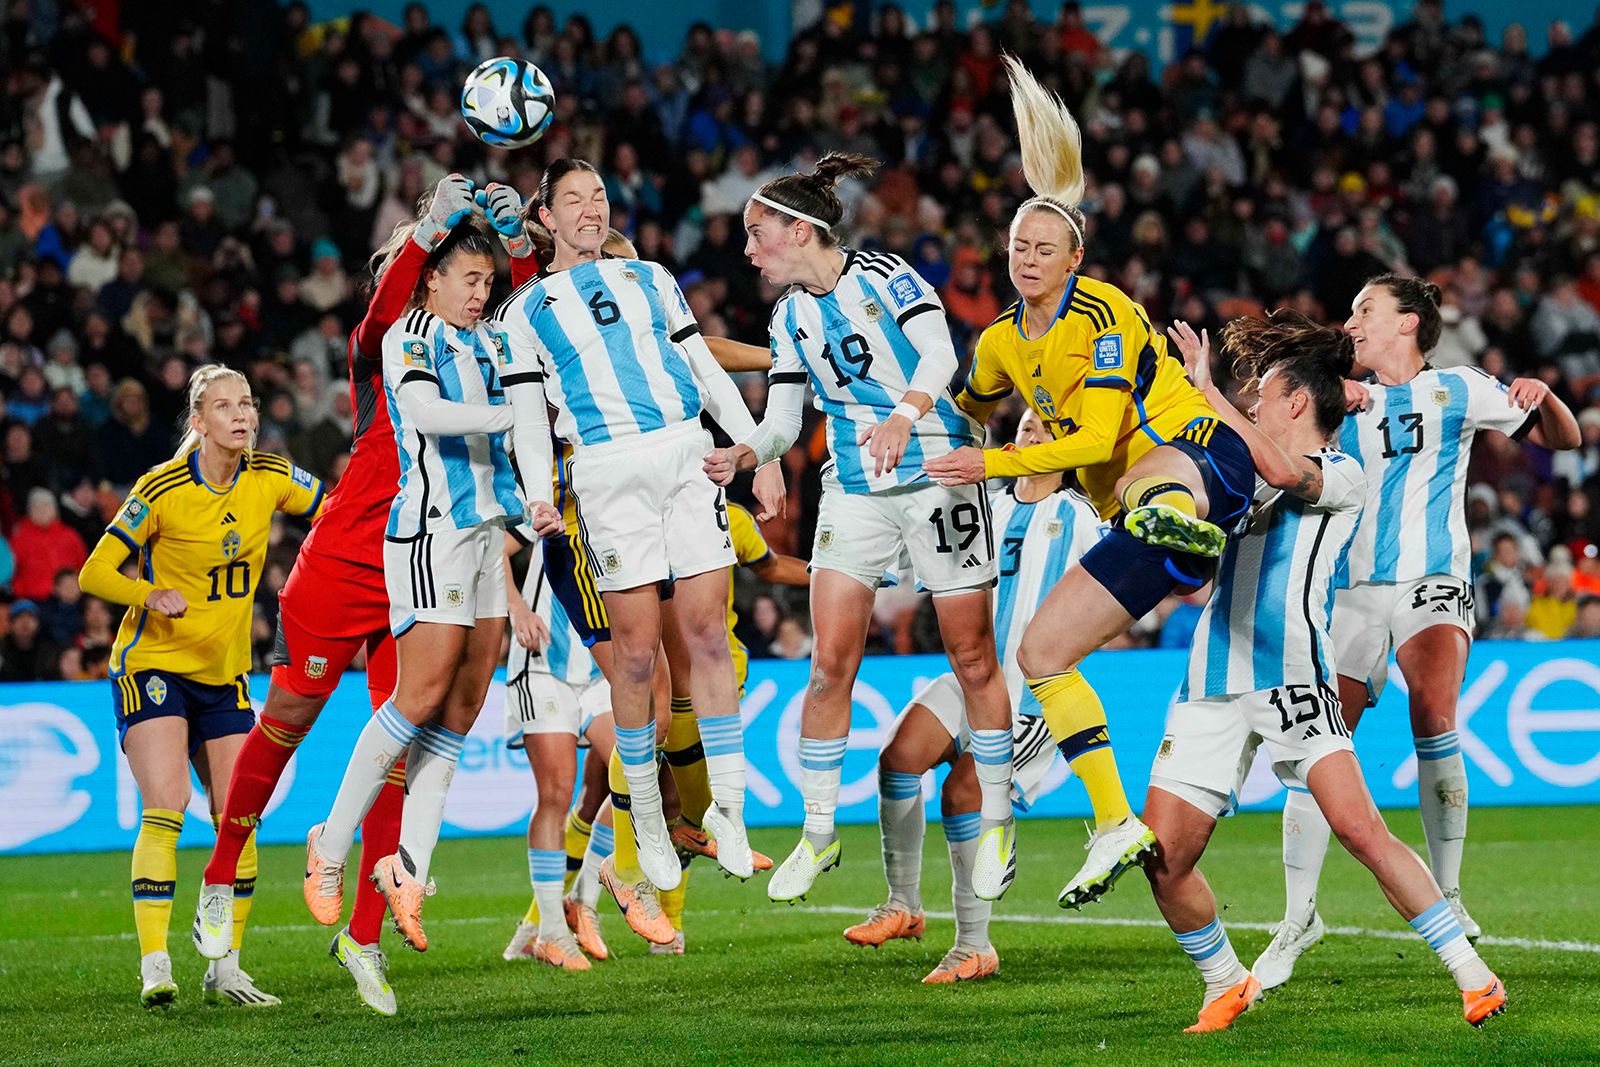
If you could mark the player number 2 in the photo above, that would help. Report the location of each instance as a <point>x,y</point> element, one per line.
<point>964,519</point>
<point>1411,426</point>
<point>1298,695</point>
<point>232,579</point>
<point>852,349</point>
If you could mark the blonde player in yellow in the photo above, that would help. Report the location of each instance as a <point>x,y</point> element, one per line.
<point>198,525</point>
<point>1150,451</point>
<point>686,744</point>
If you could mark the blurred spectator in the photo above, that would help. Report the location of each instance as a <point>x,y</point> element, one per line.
<point>792,641</point>
<point>131,443</point>
<point>26,655</point>
<point>1554,607</point>
<point>1587,623</point>
<point>61,616</point>
<point>44,545</point>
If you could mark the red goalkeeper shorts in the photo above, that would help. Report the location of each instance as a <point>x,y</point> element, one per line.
<point>328,611</point>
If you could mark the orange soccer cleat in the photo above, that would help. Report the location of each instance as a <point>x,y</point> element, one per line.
<point>560,952</point>
<point>886,922</point>
<point>691,840</point>
<point>404,895</point>
<point>1481,1005</point>
<point>584,922</point>
<point>1220,1013</point>
<point>638,903</point>
<point>963,964</point>
<point>324,886</point>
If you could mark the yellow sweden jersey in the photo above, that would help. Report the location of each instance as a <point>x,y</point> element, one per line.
<point>749,548</point>
<point>1100,339</point>
<point>208,544</point>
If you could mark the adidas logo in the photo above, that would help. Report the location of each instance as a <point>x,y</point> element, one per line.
<point>970,561</point>
<point>228,518</point>
<point>433,512</point>
<point>1311,731</point>
<point>1038,372</point>
<point>799,335</point>
<point>548,300</point>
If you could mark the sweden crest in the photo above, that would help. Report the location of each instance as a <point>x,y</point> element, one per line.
<point>156,690</point>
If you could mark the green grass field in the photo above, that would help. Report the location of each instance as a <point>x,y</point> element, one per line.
<point>779,985</point>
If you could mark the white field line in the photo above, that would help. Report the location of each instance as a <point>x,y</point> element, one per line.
<point>1537,944</point>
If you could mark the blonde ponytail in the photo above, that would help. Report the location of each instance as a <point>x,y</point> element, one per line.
<point>1051,146</point>
<point>200,381</point>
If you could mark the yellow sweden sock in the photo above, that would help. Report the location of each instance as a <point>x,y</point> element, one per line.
<point>155,876</point>
<point>1142,492</point>
<point>672,901</point>
<point>626,856</point>
<point>244,885</point>
<point>577,843</point>
<point>1077,721</point>
<point>533,913</point>
<point>687,759</point>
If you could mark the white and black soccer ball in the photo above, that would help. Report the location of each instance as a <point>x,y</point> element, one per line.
<point>507,103</point>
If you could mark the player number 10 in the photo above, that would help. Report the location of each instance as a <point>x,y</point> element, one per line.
<point>232,579</point>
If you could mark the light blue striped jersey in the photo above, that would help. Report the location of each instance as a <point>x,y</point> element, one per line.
<point>1414,441</point>
<point>447,481</point>
<point>853,347</point>
<point>565,656</point>
<point>1271,605</point>
<point>607,334</point>
<point>1037,543</point>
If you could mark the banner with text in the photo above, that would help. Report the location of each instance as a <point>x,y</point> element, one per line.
<point>1529,721</point>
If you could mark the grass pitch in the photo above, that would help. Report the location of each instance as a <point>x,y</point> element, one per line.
<point>773,984</point>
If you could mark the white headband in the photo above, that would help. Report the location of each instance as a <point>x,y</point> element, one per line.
<point>787,210</point>
<point>1040,201</point>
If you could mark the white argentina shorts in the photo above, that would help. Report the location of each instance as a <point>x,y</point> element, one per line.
<point>1371,620</point>
<point>450,576</point>
<point>538,703</point>
<point>946,530</point>
<point>649,512</point>
<point>1211,743</point>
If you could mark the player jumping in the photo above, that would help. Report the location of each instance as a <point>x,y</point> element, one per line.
<point>628,373</point>
<point>1259,672</point>
<point>1043,528</point>
<point>198,525</point>
<point>869,335</point>
<point>452,386</point>
<point>1149,451</point>
<point>1406,586</point>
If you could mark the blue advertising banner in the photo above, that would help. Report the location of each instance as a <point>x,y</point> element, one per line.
<point>1529,721</point>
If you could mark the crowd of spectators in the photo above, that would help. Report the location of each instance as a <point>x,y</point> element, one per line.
<point>205,182</point>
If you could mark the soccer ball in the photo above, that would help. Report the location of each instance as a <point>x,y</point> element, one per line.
<point>507,103</point>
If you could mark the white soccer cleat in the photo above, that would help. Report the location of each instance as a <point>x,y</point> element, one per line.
<point>671,948</point>
<point>1290,941</point>
<point>994,867</point>
<point>213,921</point>
<point>369,967</point>
<point>1469,925</point>
<point>795,876</point>
<point>520,947</point>
<point>657,858</point>
<point>227,983</point>
<point>733,843</point>
<point>155,969</point>
<point>1112,853</point>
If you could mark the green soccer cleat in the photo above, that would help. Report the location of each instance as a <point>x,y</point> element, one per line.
<point>1165,526</point>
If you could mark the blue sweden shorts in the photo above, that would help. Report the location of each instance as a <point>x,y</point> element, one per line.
<point>1140,576</point>
<point>213,711</point>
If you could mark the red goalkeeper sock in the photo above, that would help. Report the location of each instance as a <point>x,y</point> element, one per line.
<point>265,753</point>
<point>380,837</point>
